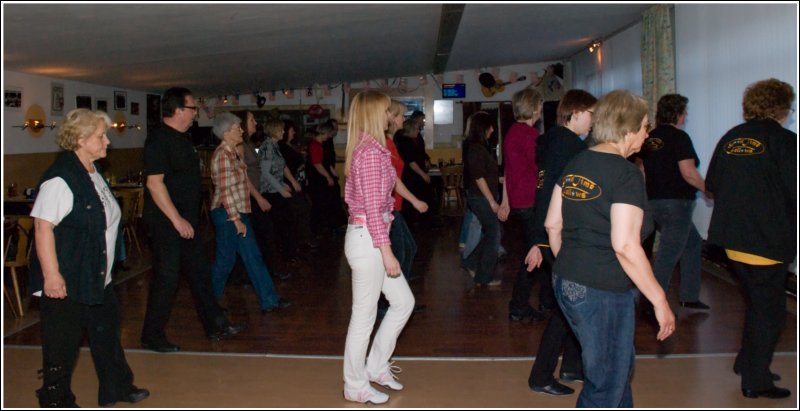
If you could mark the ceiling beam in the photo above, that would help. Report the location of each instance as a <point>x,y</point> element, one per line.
<point>448,27</point>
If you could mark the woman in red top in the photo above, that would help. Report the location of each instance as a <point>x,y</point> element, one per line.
<point>368,193</point>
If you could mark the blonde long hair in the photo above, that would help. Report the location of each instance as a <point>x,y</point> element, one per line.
<point>396,108</point>
<point>367,115</point>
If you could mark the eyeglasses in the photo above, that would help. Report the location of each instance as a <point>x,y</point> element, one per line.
<point>191,107</point>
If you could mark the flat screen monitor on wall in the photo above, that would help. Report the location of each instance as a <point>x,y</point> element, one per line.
<point>455,90</point>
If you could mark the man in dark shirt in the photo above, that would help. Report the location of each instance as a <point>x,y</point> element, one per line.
<point>172,215</point>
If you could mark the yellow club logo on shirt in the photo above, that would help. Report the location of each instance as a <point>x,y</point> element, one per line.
<point>744,147</point>
<point>579,188</point>
<point>653,144</point>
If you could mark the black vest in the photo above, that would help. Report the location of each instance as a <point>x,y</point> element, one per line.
<point>80,237</point>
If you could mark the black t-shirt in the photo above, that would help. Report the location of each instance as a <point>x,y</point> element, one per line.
<point>172,154</point>
<point>411,150</point>
<point>661,152</point>
<point>553,151</point>
<point>481,163</point>
<point>590,184</point>
<point>294,160</point>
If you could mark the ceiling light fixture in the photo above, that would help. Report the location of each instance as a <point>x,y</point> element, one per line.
<point>594,46</point>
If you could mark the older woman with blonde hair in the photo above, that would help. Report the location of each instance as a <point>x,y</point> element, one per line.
<point>368,192</point>
<point>758,159</point>
<point>77,219</point>
<point>595,223</point>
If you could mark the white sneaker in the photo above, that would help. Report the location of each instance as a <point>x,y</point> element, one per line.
<point>388,379</point>
<point>369,395</point>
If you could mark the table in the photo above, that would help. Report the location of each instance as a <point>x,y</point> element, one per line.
<point>18,205</point>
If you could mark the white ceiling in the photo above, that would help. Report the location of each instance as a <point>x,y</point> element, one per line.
<point>241,48</point>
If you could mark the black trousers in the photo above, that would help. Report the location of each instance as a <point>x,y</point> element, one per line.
<point>291,219</point>
<point>327,211</point>
<point>171,256</point>
<point>63,323</point>
<point>557,336</point>
<point>521,294</point>
<point>764,321</point>
<point>264,228</point>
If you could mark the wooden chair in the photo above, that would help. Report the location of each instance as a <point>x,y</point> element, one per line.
<point>24,228</point>
<point>130,211</point>
<point>451,184</point>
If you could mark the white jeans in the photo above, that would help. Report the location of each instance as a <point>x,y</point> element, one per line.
<point>369,280</point>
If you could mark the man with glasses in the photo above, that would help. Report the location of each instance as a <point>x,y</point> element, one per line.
<point>172,215</point>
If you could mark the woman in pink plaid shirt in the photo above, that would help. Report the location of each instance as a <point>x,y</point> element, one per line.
<point>368,193</point>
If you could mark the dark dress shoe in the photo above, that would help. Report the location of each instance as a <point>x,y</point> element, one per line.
<point>136,395</point>
<point>531,315</point>
<point>695,305</point>
<point>555,388</point>
<point>772,375</point>
<point>160,346</point>
<point>282,304</point>
<point>774,392</point>
<point>281,275</point>
<point>570,376</point>
<point>227,331</point>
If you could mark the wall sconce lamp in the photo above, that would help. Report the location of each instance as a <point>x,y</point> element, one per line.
<point>225,100</point>
<point>594,46</point>
<point>119,126</point>
<point>36,125</point>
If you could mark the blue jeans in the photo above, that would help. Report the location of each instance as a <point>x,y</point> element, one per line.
<point>604,323</point>
<point>404,247</point>
<point>679,241</point>
<point>483,258</point>
<point>228,245</point>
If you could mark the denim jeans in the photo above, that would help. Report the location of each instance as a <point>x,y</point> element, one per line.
<point>483,258</point>
<point>403,245</point>
<point>679,241</point>
<point>228,245</point>
<point>604,323</point>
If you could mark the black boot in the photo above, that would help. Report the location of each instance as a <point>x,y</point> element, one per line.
<point>55,391</point>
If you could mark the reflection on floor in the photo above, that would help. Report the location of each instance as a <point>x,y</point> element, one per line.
<point>257,381</point>
<point>458,322</point>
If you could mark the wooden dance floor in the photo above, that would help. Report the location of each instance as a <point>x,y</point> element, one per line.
<point>461,351</point>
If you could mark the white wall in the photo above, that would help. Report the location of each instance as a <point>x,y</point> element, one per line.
<point>36,90</point>
<point>617,65</point>
<point>720,49</point>
<point>442,134</point>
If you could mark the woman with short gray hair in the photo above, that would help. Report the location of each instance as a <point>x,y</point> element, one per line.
<point>230,212</point>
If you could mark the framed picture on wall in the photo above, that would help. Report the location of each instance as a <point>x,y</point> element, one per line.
<point>83,102</point>
<point>57,99</point>
<point>102,105</point>
<point>12,100</point>
<point>120,100</point>
<point>134,108</point>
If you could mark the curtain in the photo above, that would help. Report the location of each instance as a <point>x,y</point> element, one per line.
<point>658,56</point>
